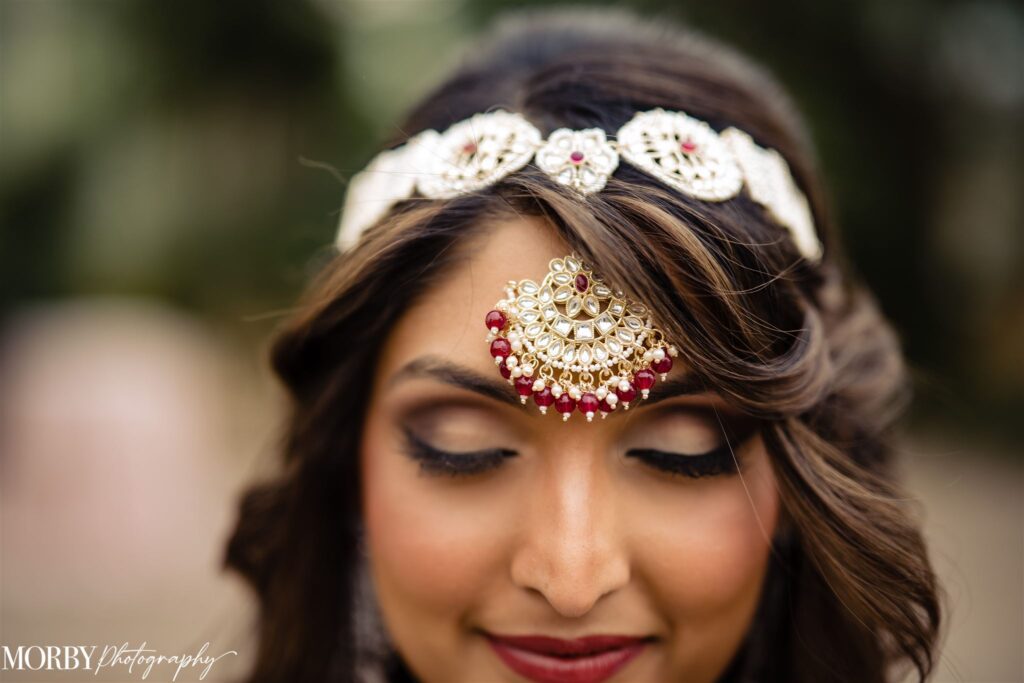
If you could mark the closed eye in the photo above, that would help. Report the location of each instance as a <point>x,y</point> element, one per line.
<point>718,461</point>
<point>436,461</point>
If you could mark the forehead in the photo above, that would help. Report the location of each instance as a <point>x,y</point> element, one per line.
<point>448,319</point>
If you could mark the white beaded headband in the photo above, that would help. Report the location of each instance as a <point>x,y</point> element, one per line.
<point>568,339</point>
<point>684,153</point>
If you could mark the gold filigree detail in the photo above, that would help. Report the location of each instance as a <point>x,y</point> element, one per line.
<point>573,335</point>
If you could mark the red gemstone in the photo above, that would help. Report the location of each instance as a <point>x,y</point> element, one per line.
<point>495,318</point>
<point>663,365</point>
<point>505,371</point>
<point>524,385</point>
<point>565,403</point>
<point>576,157</point>
<point>644,379</point>
<point>688,146</point>
<point>588,403</point>
<point>500,348</point>
<point>469,148</point>
<point>604,406</point>
<point>582,282</point>
<point>627,395</point>
<point>544,397</point>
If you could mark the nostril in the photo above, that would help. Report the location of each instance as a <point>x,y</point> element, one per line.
<point>572,591</point>
<point>570,548</point>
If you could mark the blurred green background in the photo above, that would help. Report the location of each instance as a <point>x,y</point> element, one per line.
<point>180,152</point>
<point>171,176</point>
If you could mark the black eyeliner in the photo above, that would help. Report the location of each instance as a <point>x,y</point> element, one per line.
<point>710,464</point>
<point>718,461</point>
<point>440,462</point>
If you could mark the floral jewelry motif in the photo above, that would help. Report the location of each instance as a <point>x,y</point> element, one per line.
<point>682,152</point>
<point>390,178</point>
<point>573,342</point>
<point>770,184</point>
<point>581,159</point>
<point>478,152</point>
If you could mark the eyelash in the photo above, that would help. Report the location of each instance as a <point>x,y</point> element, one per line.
<point>434,461</point>
<point>715,462</point>
<point>446,463</point>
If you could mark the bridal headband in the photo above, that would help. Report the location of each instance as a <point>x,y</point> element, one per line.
<point>568,339</point>
<point>682,152</point>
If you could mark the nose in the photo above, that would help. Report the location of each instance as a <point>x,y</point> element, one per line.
<point>570,549</point>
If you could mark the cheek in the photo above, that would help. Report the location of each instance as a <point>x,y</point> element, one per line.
<point>430,559</point>
<point>710,545</point>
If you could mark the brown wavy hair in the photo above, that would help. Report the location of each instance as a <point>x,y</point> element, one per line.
<point>850,594</point>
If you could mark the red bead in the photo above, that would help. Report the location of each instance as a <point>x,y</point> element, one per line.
<point>544,397</point>
<point>500,348</point>
<point>505,371</point>
<point>524,385</point>
<point>495,318</point>
<point>628,395</point>
<point>565,403</point>
<point>644,379</point>
<point>688,146</point>
<point>469,148</point>
<point>576,157</point>
<point>582,282</point>
<point>588,403</point>
<point>604,406</point>
<point>663,365</point>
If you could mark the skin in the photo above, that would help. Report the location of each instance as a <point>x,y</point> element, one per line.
<point>567,538</point>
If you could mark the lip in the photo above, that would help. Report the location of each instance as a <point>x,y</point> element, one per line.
<point>557,660</point>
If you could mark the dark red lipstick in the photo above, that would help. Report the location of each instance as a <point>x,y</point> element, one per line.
<point>557,660</point>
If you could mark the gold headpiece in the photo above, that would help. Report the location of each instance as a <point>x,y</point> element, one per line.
<point>573,342</point>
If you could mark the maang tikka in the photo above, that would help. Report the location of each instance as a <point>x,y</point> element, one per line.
<point>573,342</point>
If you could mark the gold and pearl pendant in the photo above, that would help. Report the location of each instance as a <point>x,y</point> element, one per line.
<point>573,342</point>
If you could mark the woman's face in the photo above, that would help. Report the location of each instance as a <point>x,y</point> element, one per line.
<point>489,524</point>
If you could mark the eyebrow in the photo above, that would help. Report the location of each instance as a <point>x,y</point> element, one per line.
<point>449,372</point>
<point>446,371</point>
<point>688,385</point>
